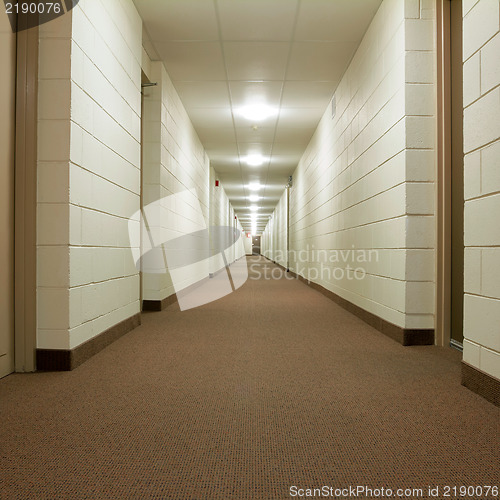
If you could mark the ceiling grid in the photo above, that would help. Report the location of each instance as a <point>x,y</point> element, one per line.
<point>225,55</point>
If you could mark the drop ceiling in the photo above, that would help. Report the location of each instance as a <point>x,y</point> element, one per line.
<point>225,54</point>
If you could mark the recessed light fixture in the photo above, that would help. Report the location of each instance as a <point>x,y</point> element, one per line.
<point>255,160</point>
<point>254,186</point>
<point>254,208</point>
<point>257,112</point>
<point>254,197</point>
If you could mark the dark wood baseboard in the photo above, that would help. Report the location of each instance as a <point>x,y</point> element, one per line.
<point>405,336</point>
<point>481,383</point>
<point>158,305</point>
<point>56,360</point>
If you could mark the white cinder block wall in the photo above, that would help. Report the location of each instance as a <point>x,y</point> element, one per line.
<point>266,239</point>
<point>274,238</point>
<point>219,213</point>
<point>176,169</point>
<point>89,171</point>
<point>281,231</point>
<point>481,49</point>
<point>366,180</point>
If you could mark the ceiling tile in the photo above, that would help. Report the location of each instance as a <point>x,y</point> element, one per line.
<point>307,94</point>
<point>229,170</point>
<point>284,169</point>
<point>215,134</point>
<point>245,93</point>
<point>244,123</point>
<point>339,20</point>
<point>252,58</point>
<point>223,148</point>
<point>192,61</point>
<point>203,94</point>
<point>257,19</point>
<point>288,148</point>
<point>320,61</point>
<point>253,61</point>
<point>162,19</point>
<point>262,134</point>
<point>294,135</point>
<point>300,117</point>
<point>248,148</point>
<point>211,117</point>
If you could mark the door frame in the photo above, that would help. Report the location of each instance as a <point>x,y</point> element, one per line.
<point>25,271</point>
<point>444,170</point>
<point>443,176</point>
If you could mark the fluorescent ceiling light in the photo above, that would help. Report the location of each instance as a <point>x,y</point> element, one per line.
<point>254,197</point>
<point>254,186</point>
<point>255,160</point>
<point>254,208</point>
<point>257,112</point>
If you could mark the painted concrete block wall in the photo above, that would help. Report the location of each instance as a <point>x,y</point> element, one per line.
<point>281,231</point>
<point>247,244</point>
<point>89,171</point>
<point>176,168</point>
<point>219,214</point>
<point>266,239</point>
<point>363,192</point>
<point>176,175</point>
<point>274,238</point>
<point>481,49</point>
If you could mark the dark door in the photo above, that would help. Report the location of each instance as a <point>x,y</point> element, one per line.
<point>7,146</point>
<point>256,245</point>
<point>457,176</point>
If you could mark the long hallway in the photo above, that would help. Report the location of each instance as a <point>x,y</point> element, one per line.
<point>271,387</point>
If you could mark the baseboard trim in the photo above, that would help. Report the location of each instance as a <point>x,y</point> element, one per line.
<point>404,336</point>
<point>58,360</point>
<point>481,383</point>
<point>158,305</point>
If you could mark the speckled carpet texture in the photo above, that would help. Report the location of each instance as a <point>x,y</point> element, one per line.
<point>264,394</point>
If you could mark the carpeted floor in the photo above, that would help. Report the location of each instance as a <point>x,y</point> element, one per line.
<point>271,387</point>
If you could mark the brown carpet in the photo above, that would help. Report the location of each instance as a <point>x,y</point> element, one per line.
<point>270,387</point>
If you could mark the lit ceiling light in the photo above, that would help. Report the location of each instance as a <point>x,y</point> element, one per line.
<point>257,112</point>
<point>254,186</point>
<point>255,160</point>
<point>254,197</point>
<point>254,208</point>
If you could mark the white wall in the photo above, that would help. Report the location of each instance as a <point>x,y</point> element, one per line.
<point>366,180</point>
<point>247,244</point>
<point>222,215</point>
<point>176,170</point>
<point>176,165</point>
<point>274,237</point>
<point>89,171</point>
<point>481,49</point>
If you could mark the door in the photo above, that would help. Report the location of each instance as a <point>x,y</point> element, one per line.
<point>256,245</point>
<point>7,145</point>
<point>457,177</point>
